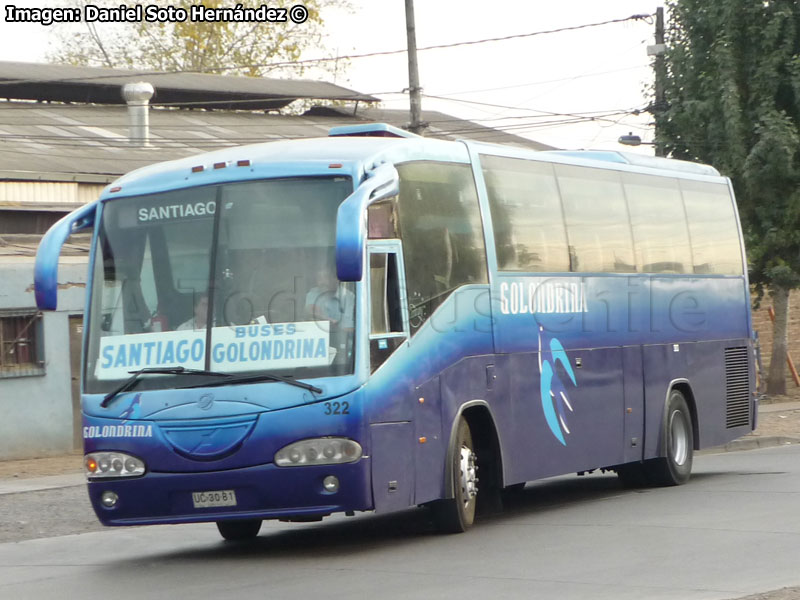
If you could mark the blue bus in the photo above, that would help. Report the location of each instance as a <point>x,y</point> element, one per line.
<point>375,320</point>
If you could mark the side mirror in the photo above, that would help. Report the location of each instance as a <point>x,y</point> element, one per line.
<point>351,220</point>
<point>45,273</point>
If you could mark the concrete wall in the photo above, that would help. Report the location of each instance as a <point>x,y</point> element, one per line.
<point>36,411</point>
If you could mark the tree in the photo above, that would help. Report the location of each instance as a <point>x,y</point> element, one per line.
<point>220,47</point>
<point>732,89</point>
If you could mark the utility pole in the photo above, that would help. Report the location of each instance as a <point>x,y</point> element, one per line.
<point>416,125</point>
<point>658,51</point>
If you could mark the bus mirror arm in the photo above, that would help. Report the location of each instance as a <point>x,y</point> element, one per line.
<point>351,220</point>
<point>45,275</point>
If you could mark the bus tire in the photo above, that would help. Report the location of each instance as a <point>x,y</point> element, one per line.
<point>675,467</point>
<point>457,514</point>
<point>236,531</point>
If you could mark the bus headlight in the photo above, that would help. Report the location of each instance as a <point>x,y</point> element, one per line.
<point>319,451</point>
<point>105,465</point>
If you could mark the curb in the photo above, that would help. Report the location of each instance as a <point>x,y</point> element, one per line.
<point>35,484</point>
<point>752,443</point>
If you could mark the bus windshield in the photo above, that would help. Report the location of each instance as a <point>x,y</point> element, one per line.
<point>234,278</point>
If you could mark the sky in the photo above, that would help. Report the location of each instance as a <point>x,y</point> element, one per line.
<point>531,86</point>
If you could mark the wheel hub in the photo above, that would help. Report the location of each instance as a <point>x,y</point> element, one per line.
<point>679,442</point>
<point>469,470</point>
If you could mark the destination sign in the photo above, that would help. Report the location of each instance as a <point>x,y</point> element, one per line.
<point>233,349</point>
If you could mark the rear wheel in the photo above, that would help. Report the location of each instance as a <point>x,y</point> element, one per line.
<point>235,531</point>
<point>457,514</point>
<point>675,467</point>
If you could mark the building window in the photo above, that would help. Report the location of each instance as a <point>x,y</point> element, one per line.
<point>21,344</point>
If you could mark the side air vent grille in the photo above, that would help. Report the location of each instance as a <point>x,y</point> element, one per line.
<point>737,387</point>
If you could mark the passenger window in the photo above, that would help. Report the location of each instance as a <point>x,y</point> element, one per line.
<point>384,294</point>
<point>382,220</point>
<point>387,331</point>
<point>712,228</point>
<point>528,223</point>
<point>597,220</point>
<point>442,233</point>
<point>660,235</point>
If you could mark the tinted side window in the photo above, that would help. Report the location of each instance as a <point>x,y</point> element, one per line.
<point>526,211</point>
<point>440,225</point>
<point>660,236</point>
<point>712,228</point>
<point>597,220</point>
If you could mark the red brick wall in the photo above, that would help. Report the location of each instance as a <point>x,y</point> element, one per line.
<point>763,325</point>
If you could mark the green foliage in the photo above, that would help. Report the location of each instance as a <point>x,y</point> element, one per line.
<point>207,47</point>
<point>733,100</point>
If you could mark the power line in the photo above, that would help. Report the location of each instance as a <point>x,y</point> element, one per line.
<point>640,17</point>
<point>545,82</point>
<point>474,102</point>
<point>162,139</point>
<point>122,124</point>
<point>636,17</point>
<point>189,145</point>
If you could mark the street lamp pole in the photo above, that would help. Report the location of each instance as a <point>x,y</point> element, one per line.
<point>657,50</point>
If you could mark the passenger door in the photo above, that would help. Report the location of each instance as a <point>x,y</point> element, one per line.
<point>391,442</point>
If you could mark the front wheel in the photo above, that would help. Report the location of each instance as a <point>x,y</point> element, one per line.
<point>236,531</point>
<point>675,467</point>
<point>457,514</point>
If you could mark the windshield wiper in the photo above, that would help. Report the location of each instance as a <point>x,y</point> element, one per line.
<point>135,375</point>
<point>230,380</point>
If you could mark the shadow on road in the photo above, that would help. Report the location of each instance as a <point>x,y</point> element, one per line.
<point>371,533</point>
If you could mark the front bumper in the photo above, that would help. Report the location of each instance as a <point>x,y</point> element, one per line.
<point>262,492</point>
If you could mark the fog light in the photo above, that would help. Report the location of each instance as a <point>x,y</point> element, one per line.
<point>331,484</point>
<point>109,499</point>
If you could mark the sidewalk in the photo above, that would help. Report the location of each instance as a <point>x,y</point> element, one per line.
<point>778,425</point>
<point>778,407</point>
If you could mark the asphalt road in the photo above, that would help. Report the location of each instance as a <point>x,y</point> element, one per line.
<point>733,530</point>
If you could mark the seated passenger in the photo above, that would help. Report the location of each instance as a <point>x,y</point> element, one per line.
<point>200,317</point>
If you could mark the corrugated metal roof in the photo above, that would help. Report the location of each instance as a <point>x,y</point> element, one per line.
<point>67,83</point>
<point>73,142</point>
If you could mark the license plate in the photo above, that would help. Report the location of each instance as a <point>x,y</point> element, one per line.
<point>213,499</point>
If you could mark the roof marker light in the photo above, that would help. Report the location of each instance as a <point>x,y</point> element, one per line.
<point>115,189</point>
<point>335,166</point>
<point>198,169</point>
<point>220,165</point>
<point>243,163</point>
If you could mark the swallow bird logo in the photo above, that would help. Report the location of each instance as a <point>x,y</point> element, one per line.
<point>555,402</point>
<point>133,411</point>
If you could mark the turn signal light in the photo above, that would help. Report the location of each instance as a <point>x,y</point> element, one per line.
<point>106,465</point>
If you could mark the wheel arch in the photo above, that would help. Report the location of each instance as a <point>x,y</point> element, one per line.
<point>486,439</point>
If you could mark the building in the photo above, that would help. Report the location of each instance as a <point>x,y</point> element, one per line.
<point>65,133</point>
